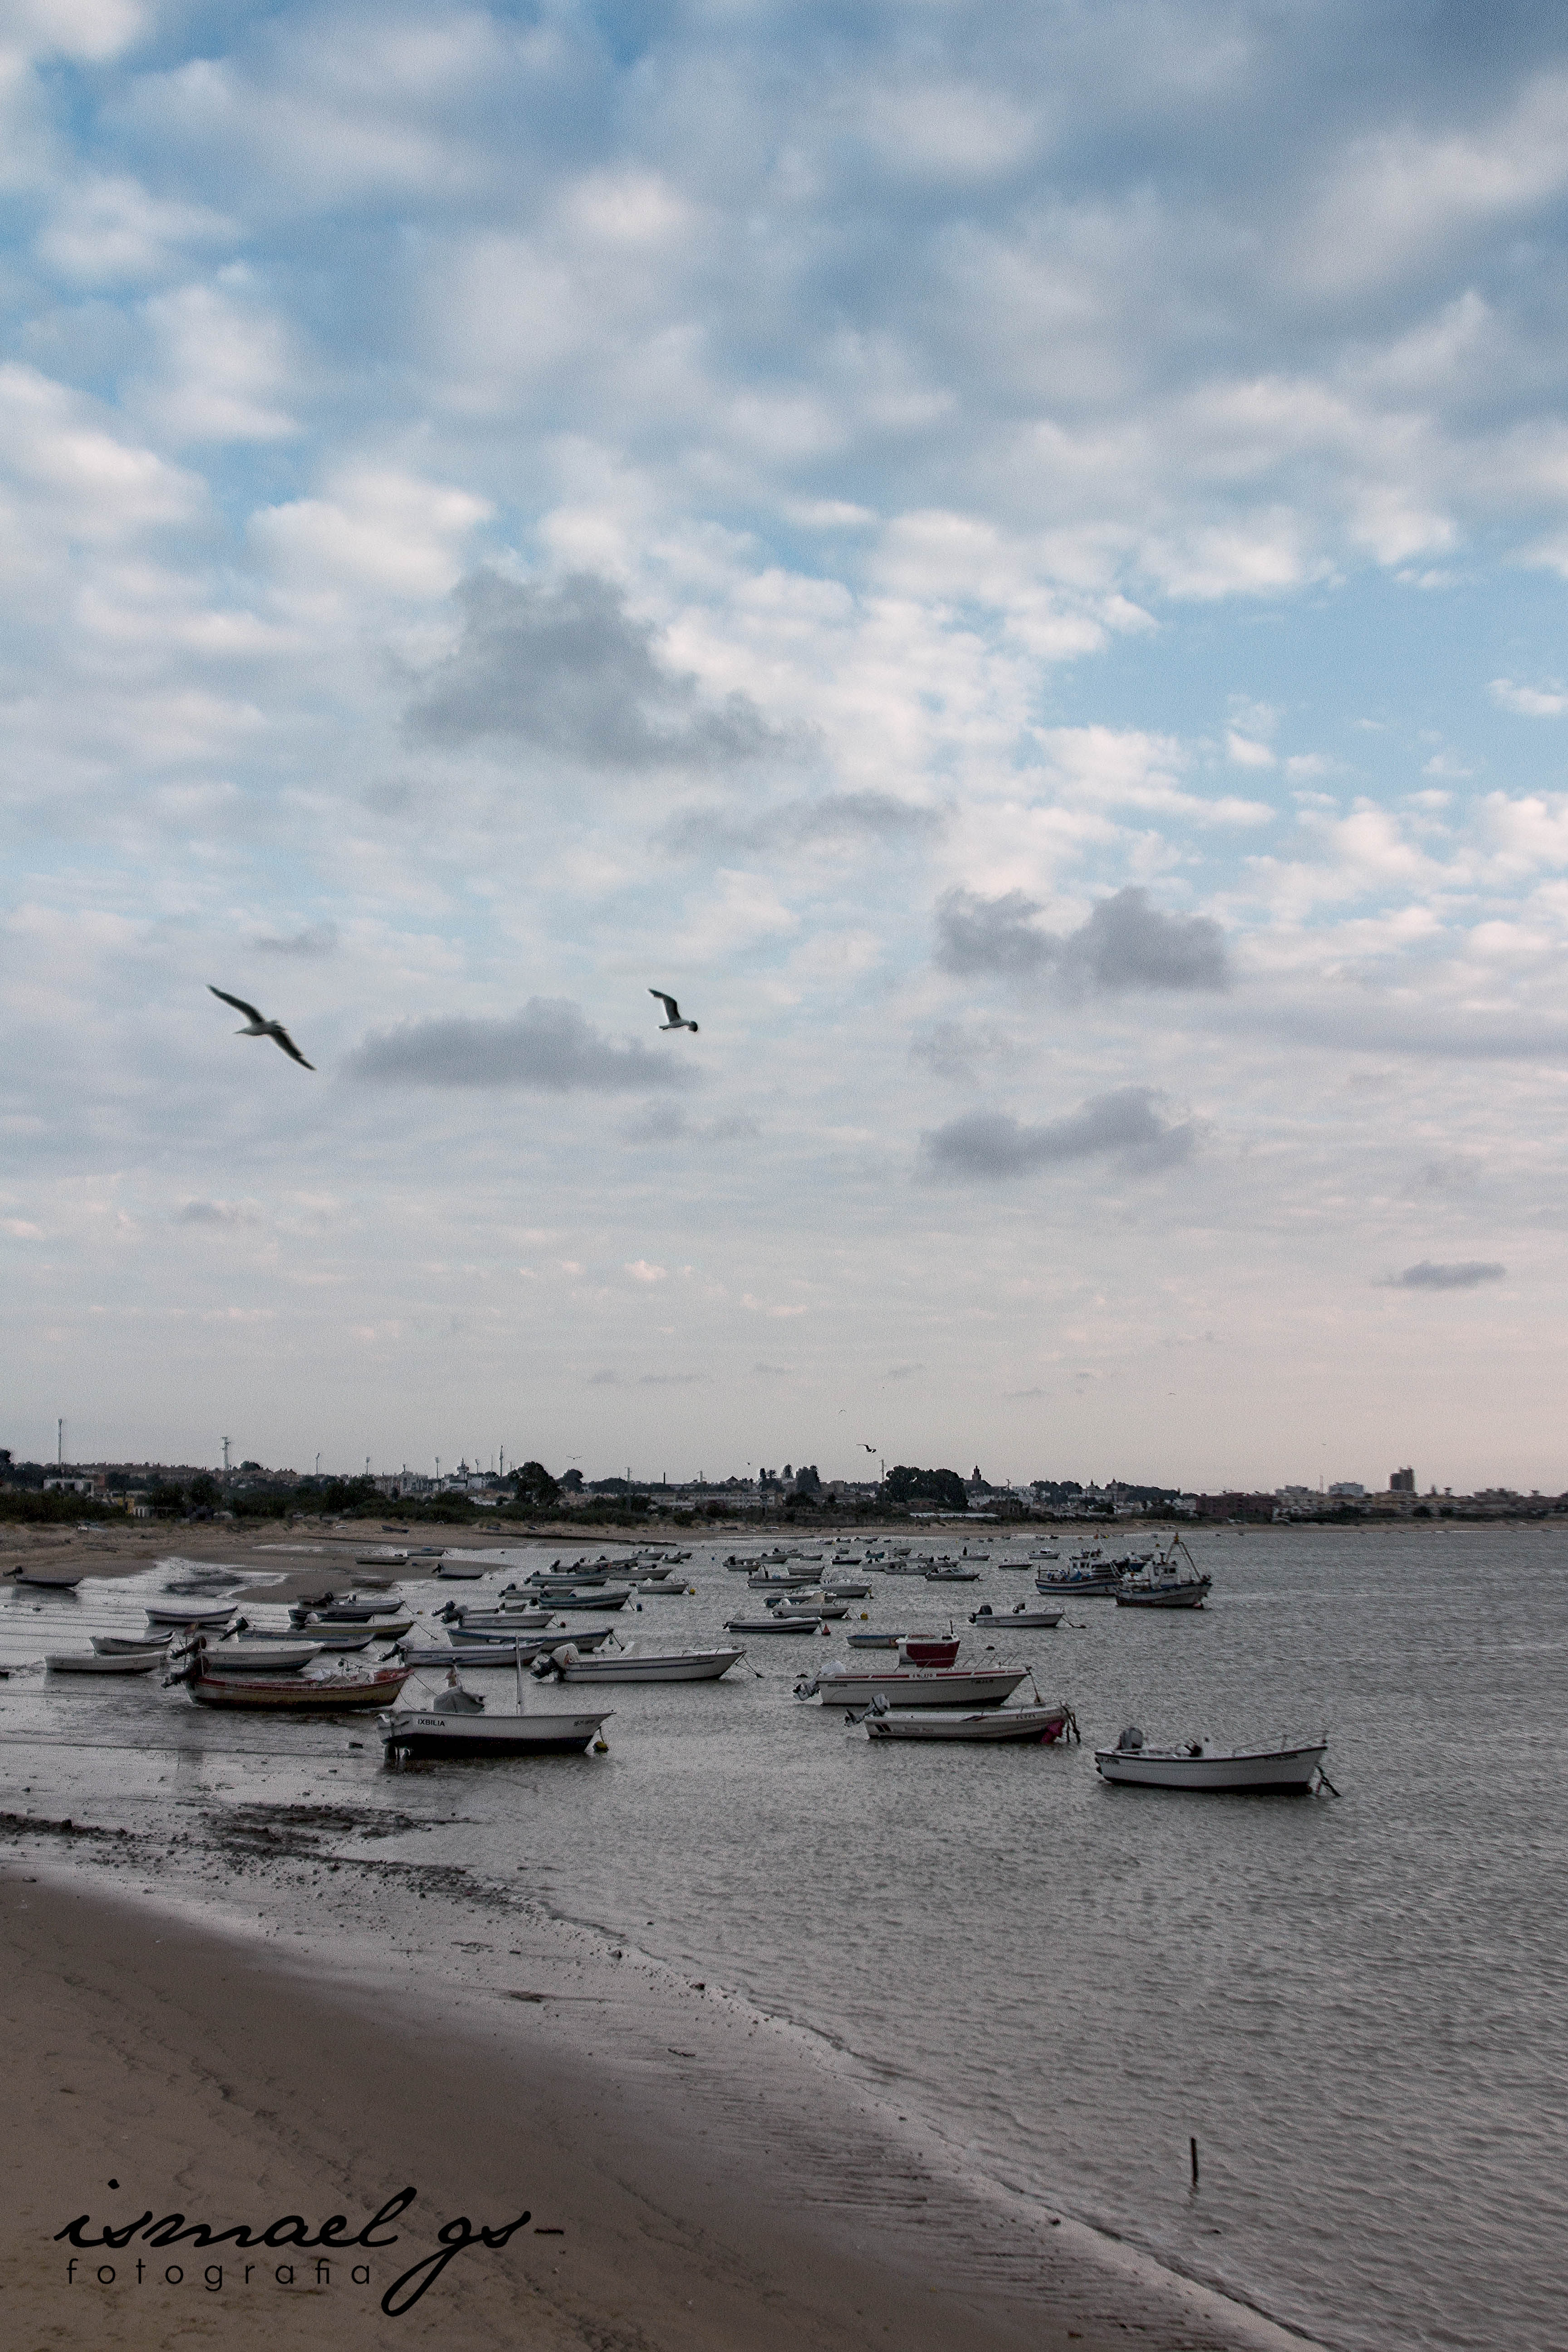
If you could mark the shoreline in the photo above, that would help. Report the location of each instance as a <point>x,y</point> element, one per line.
<point>721,2184</point>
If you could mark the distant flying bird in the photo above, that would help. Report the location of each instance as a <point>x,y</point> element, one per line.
<point>671,1006</point>
<point>258,1027</point>
<point>869,1449</point>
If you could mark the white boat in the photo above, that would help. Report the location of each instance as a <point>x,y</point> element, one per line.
<point>93,1662</point>
<point>239,1656</point>
<point>1042,1725</point>
<point>842,1590</point>
<point>352,1634</point>
<point>456,1724</point>
<point>481,1645</point>
<point>133,1645</point>
<point>1021,1620</point>
<point>875,1641</point>
<point>190,1612</point>
<point>447,1567</point>
<point>808,1604</point>
<point>633,1665</point>
<point>902,1686</point>
<point>1198,1764</point>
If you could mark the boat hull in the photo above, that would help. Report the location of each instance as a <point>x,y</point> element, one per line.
<point>1287,1772</point>
<point>1019,1621</point>
<point>303,1696</point>
<point>93,1662</point>
<point>1170,1596</point>
<point>1042,1725</point>
<point>406,1732</point>
<point>919,1687</point>
<point>681,1666</point>
<point>770,1624</point>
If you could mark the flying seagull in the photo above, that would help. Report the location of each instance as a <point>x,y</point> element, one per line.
<point>256,1028</point>
<point>671,1006</point>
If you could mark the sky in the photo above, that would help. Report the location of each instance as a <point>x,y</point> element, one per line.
<point>1011,559</point>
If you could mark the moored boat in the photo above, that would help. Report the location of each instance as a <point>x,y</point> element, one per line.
<point>1199,1765</point>
<point>95,1662</point>
<point>774,1622</point>
<point>47,1580</point>
<point>1043,1725</point>
<point>329,1694</point>
<point>632,1666</point>
<point>903,1686</point>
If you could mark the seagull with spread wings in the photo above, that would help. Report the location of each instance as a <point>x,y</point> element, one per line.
<point>255,1026</point>
<point>674,1020</point>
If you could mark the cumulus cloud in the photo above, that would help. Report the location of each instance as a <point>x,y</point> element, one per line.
<point>1464,1274</point>
<point>1126,944</point>
<point>569,671</point>
<point>1529,701</point>
<point>992,1146</point>
<point>549,1046</point>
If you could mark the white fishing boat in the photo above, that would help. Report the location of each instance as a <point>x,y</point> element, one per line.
<point>633,1665</point>
<point>94,1662</point>
<point>1084,1579</point>
<point>842,1590</point>
<point>1021,1620</point>
<point>903,1686</point>
<point>205,1613</point>
<point>808,1604</point>
<point>1172,1581</point>
<point>1200,1765</point>
<point>456,1724</point>
<point>953,1574</point>
<point>478,1645</point>
<point>1042,1725</point>
<point>875,1641</point>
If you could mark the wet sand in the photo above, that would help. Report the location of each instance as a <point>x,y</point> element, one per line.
<point>712,2192</point>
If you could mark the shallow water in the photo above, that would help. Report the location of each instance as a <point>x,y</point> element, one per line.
<point>1356,2007</point>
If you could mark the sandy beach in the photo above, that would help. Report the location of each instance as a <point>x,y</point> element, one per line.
<point>691,2182</point>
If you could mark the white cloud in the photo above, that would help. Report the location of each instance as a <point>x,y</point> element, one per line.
<point>1529,701</point>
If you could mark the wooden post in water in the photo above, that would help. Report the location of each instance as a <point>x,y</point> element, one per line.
<point>1194,2148</point>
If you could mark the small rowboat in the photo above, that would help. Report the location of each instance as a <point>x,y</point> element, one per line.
<point>1043,1725</point>
<point>133,1645</point>
<point>476,1648</point>
<point>638,1665</point>
<point>190,1612</point>
<point>953,1576</point>
<point>92,1662</point>
<point>49,1580</point>
<point>297,1694</point>
<point>455,1568</point>
<point>1201,1766</point>
<point>903,1686</point>
<point>251,1657</point>
<point>875,1641</point>
<point>772,1625</point>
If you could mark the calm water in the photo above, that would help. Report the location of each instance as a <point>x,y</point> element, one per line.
<point>1360,2009</point>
